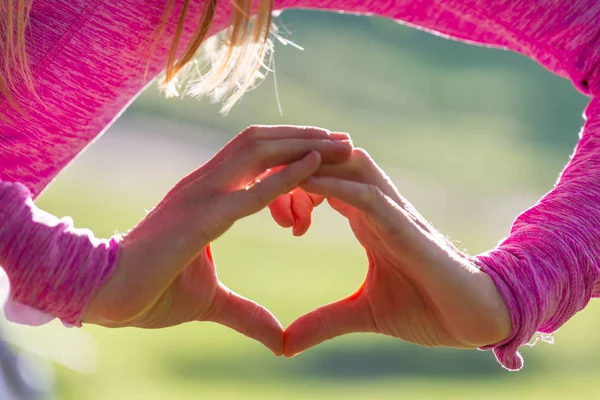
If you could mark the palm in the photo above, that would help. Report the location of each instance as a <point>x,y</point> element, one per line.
<point>399,306</point>
<point>188,298</point>
<point>401,309</point>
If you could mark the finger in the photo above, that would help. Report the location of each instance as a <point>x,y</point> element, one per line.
<point>315,198</point>
<point>273,132</point>
<point>242,203</point>
<point>281,210</point>
<point>295,209</point>
<point>289,131</point>
<point>367,198</point>
<point>246,317</point>
<point>362,168</point>
<point>244,166</point>
<point>258,132</point>
<point>301,207</point>
<point>342,317</point>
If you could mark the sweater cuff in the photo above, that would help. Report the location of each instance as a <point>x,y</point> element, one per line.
<point>53,269</point>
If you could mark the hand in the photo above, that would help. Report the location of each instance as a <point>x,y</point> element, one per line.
<point>166,272</point>
<point>418,287</point>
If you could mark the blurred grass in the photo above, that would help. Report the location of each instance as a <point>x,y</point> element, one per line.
<point>471,136</point>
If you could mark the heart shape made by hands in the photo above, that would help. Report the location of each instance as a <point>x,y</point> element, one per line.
<point>418,286</point>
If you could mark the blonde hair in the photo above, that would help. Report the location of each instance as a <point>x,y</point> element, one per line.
<point>226,66</point>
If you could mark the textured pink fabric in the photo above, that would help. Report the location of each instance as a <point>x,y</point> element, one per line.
<point>89,56</point>
<point>88,59</point>
<point>549,266</point>
<point>65,266</point>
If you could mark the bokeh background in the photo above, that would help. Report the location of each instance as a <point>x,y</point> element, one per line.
<point>471,136</point>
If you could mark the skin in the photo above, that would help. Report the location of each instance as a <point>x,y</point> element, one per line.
<point>418,286</point>
<point>166,272</point>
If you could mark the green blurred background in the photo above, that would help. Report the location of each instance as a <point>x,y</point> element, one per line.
<point>472,136</point>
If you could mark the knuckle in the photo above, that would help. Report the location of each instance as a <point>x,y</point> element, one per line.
<point>324,325</point>
<point>254,318</point>
<point>360,162</point>
<point>371,195</point>
<point>361,156</point>
<point>317,129</point>
<point>216,307</point>
<point>255,147</point>
<point>262,152</point>
<point>251,132</point>
<point>374,193</point>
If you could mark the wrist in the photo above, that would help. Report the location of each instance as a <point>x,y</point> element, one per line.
<point>496,310</point>
<point>113,304</point>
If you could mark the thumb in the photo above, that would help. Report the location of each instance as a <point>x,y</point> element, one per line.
<point>295,209</point>
<point>281,210</point>
<point>247,317</point>
<point>342,317</point>
<point>302,205</point>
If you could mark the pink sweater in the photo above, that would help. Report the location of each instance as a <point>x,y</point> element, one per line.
<point>88,59</point>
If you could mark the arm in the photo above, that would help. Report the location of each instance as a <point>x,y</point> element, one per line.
<point>548,268</point>
<point>421,289</point>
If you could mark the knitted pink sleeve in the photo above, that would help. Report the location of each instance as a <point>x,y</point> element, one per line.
<point>53,268</point>
<point>548,268</point>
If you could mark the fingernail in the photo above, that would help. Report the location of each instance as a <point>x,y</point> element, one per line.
<point>309,155</point>
<point>343,142</point>
<point>339,136</point>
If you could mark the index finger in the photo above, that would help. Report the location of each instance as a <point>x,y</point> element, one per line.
<point>262,132</point>
<point>243,167</point>
<point>362,168</point>
<point>272,132</point>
